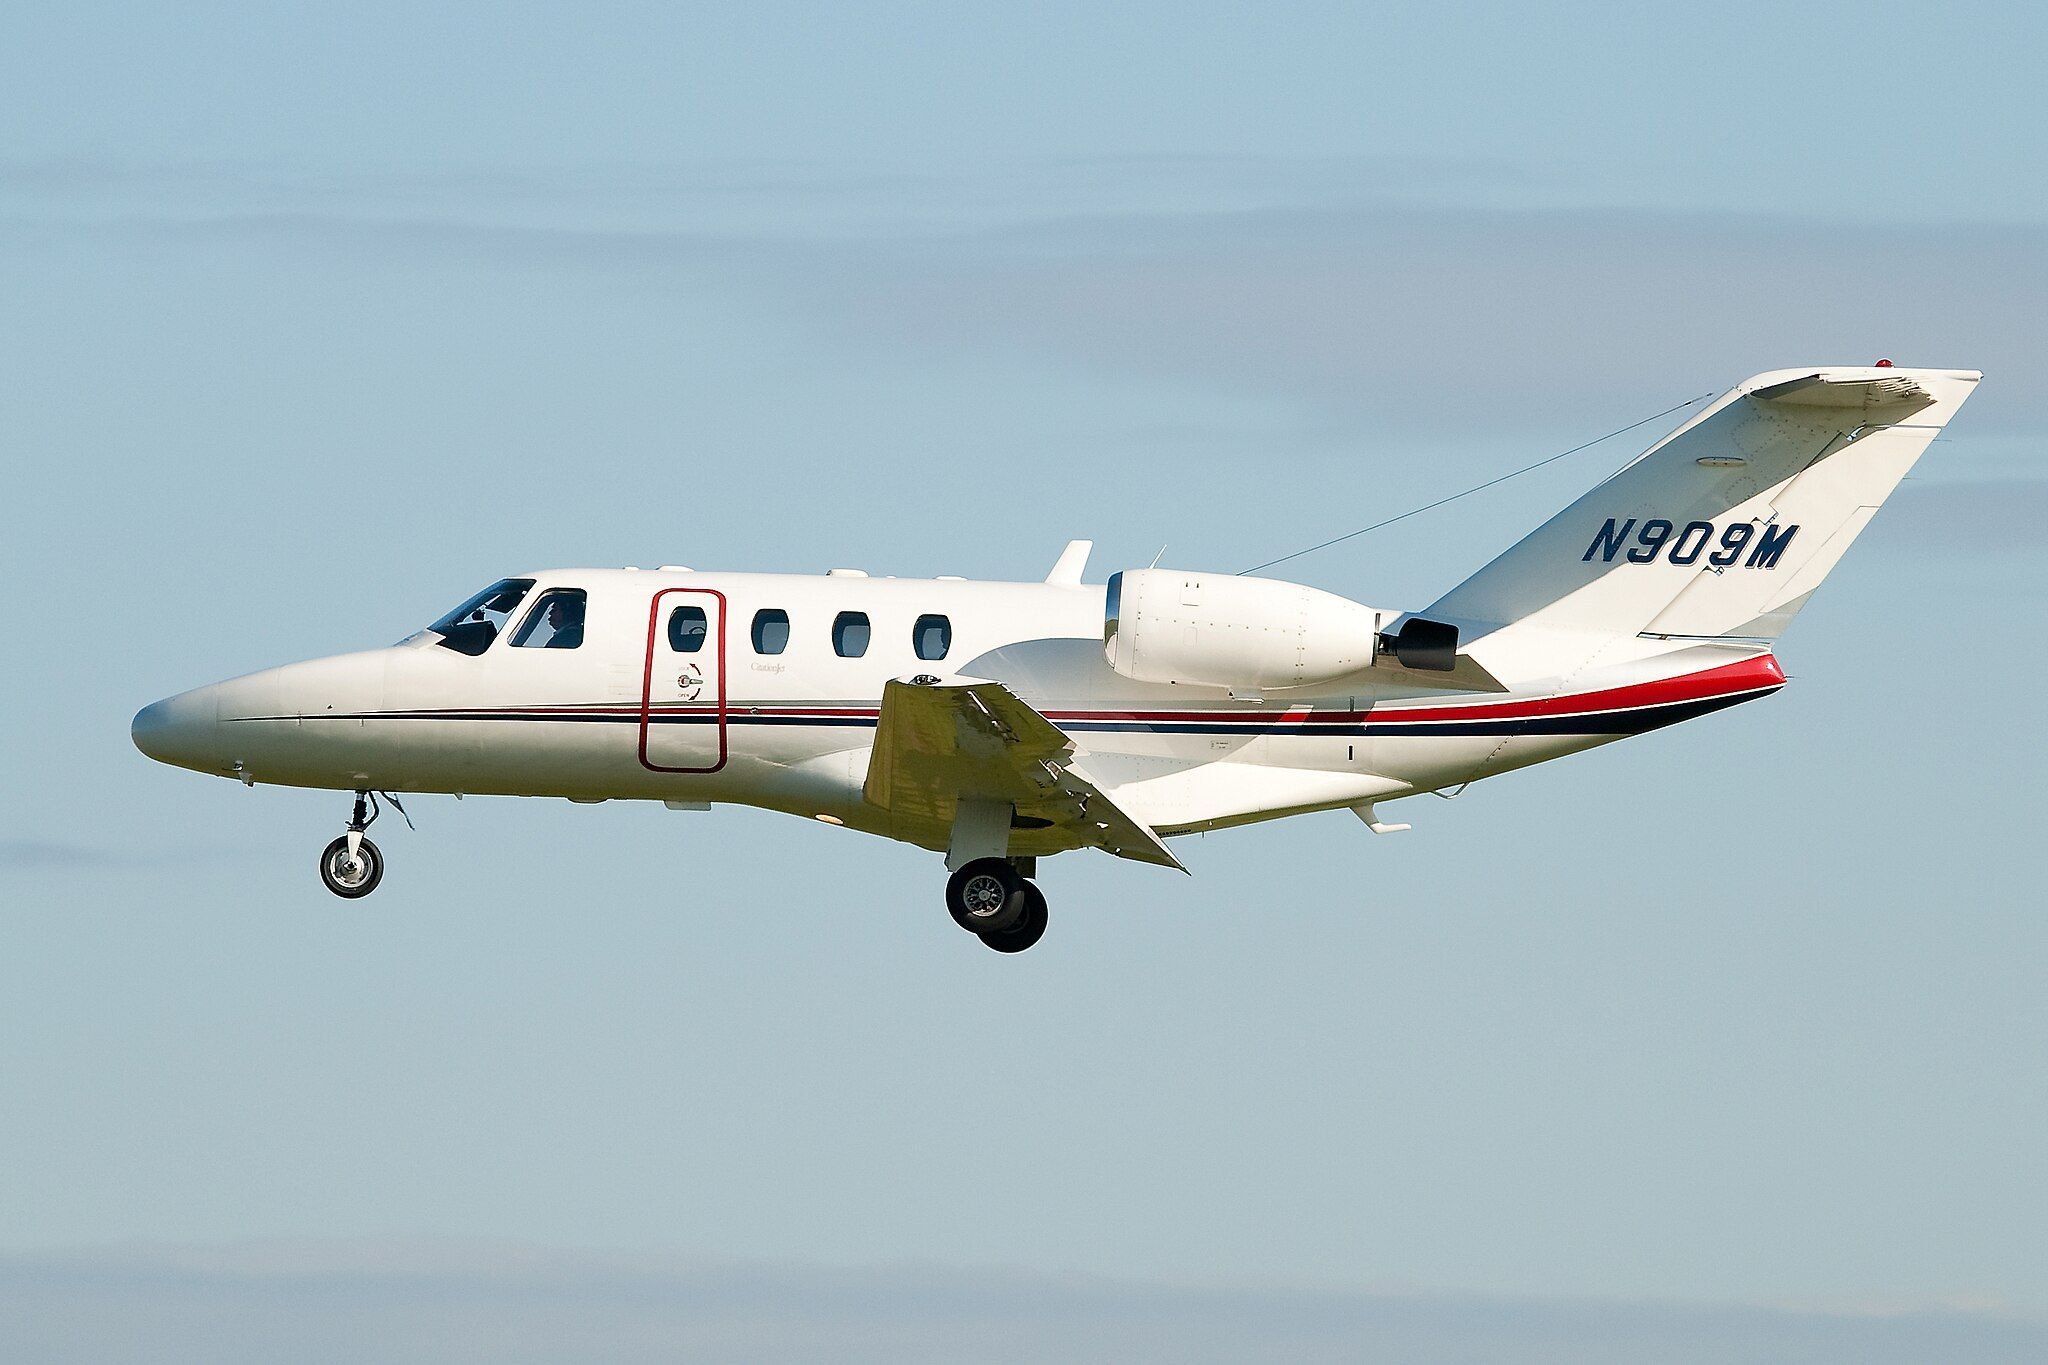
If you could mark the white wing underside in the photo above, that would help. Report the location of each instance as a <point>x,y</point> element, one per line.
<point>937,744</point>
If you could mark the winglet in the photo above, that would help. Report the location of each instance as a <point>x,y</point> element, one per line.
<point>1067,571</point>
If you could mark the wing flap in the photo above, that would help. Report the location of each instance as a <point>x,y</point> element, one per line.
<point>1116,829</point>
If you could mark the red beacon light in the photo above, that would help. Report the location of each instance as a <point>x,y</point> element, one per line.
<point>1884,364</point>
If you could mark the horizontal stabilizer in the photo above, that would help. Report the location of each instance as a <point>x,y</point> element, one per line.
<point>1851,390</point>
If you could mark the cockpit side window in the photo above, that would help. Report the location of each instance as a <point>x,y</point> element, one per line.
<point>471,627</point>
<point>555,621</point>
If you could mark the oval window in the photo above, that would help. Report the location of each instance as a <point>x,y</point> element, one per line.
<point>932,636</point>
<point>771,630</point>
<point>850,634</point>
<point>687,627</point>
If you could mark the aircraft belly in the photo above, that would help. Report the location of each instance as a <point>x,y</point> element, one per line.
<point>1521,751</point>
<point>1430,762</point>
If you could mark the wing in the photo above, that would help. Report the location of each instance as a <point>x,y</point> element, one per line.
<point>939,742</point>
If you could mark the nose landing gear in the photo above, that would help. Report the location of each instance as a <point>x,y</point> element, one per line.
<point>991,898</point>
<point>352,866</point>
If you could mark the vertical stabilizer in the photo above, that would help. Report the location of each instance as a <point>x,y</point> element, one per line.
<point>1722,530</point>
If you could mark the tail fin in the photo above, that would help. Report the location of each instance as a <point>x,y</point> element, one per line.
<point>1722,530</point>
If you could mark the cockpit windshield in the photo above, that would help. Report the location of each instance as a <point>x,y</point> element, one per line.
<point>471,627</point>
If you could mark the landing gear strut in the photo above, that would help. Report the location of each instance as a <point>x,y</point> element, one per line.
<point>352,866</point>
<point>990,897</point>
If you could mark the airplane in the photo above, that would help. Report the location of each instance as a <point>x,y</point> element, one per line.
<point>1000,723</point>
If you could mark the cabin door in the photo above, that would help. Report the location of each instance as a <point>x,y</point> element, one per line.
<point>682,688</point>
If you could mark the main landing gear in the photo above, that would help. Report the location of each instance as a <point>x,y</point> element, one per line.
<point>352,866</point>
<point>991,898</point>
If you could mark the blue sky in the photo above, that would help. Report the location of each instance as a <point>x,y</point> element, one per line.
<point>315,320</point>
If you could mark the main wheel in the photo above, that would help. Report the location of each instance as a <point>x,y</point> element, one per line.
<point>1029,928</point>
<point>986,896</point>
<point>351,878</point>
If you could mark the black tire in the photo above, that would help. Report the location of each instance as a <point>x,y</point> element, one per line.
<point>986,896</point>
<point>1028,929</point>
<point>351,884</point>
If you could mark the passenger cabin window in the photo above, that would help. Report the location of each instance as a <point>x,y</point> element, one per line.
<point>554,622</point>
<point>686,628</point>
<point>850,634</point>
<point>932,636</point>
<point>771,630</point>
<point>471,627</point>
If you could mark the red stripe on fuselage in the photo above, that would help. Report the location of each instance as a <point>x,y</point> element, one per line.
<point>1759,674</point>
<point>1750,675</point>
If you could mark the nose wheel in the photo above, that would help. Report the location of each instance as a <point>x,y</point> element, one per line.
<point>352,866</point>
<point>351,872</point>
<point>991,899</point>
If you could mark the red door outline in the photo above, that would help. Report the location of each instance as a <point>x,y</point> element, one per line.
<point>647,679</point>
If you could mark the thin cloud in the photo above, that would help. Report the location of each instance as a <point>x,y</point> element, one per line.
<point>411,1301</point>
<point>790,197</point>
<point>1390,310</point>
<point>39,855</point>
<point>1354,300</point>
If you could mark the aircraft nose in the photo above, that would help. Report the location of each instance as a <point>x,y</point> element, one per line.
<point>179,730</point>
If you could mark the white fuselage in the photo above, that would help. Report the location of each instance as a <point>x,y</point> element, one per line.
<point>636,711</point>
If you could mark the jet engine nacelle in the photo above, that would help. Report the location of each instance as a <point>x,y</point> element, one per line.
<point>1224,630</point>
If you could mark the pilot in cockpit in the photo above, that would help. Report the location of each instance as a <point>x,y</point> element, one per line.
<point>565,622</point>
